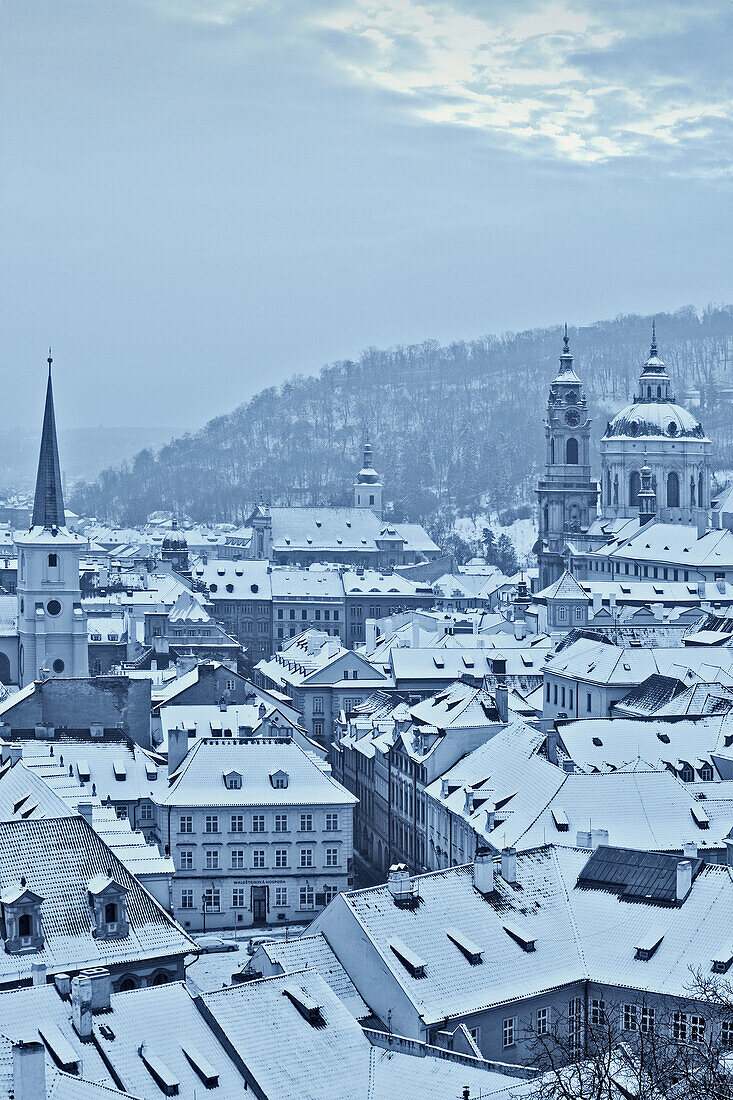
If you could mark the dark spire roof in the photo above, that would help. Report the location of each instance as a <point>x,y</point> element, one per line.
<point>48,506</point>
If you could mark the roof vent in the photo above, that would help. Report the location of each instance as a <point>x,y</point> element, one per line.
<point>466,946</point>
<point>308,1008</point>
<point>561,819</point>
<point>201,1066</point>
<point>411,961</point>
<point>520,937</point>
<point>647,948</point>
<point>722,961</point>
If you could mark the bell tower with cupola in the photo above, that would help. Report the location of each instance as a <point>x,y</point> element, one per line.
<point>567,494</point>
<point>52,626</point>
<point>368,487</point>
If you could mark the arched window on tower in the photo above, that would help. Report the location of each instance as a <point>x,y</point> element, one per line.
<point>700,490</point>
<point>552,450</point>
<point>673,490</point>
<point>615,488</point>
<point>571,451</point>
<point>649,392</point>
<point>608,486</point>
<point>546,513</point>
<point>692,490</point>
<point>634,488</point>
<point>659,391</point>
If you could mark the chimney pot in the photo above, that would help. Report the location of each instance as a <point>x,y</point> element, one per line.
<point>63,985</point>
<point>684,879</point>
<point>690,849</point>
<point>509,865</point>
<point>29,1070</point>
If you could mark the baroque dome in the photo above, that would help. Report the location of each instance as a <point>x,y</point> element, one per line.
<point>658,418</point>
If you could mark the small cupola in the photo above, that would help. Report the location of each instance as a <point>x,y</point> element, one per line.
<point>108,899</point>
<point>22,913</point>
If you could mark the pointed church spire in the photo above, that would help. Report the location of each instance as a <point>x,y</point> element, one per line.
<point>48,505</point>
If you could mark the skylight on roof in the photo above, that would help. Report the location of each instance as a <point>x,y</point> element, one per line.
<point>519,936</point>
<point>465,945</point>
<point>306,1005</point>
<point>411,961</point>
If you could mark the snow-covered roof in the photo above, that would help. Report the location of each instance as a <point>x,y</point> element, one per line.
<point>313,953</point>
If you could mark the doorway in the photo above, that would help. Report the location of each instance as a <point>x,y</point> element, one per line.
<point>259,905</point>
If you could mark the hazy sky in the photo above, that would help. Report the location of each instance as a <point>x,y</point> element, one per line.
<point>202,197</point>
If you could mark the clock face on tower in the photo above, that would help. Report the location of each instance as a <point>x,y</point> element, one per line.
<point>572,417</point>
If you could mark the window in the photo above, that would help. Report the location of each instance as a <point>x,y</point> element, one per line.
<point>547,691</point>
<point>258,857</point>
<point>726,1033</point>
<point>332,822</point>
<point>238,897</point>
<point>318,729</point>
<point>588,702</point>
<point>53,561</point>
<point>306,857</point>
<point>329,893</point>
<point>185,823</point>
<point>575,1026</point>
<point>307,897</point>
<point>630,1018</point>
<point>281,823</point>
<point>279,613</point>
<point>306,823</point>
<point>597,1011</point>
<point>335,616</point>
<point>634,489</point>
<point>646,1020</point>
<point>281,857</point>
<point>332,857</point>
<point>237,859</point>
<point>186,859</point>
<point>543,1021</point>
<point>292,614</point>
<point>508,1030</point>
<point>687,775</point>
<point>121,812</point>
<point>186,899</point>
<point>212,859</point>
<point>318,615</point>
<point>237,823</point>
<point>318,704</point>
<point>673,490</point>
<point>212,823</point>
<point>212,900</point>
<point>146,812</point>
<point>706,773</point>
<point>281,896</point>
<point>258,823</point>
<point>679,1027</point>
<point>233,781</point>
<point>562,613</point>
<point>697,1029</point>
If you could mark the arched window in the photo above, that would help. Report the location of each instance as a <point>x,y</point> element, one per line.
<point>571,451</point>
<point>659,391</point>
<point>649,392</point>
<point>126,985</point>
<point>552,450</point>
<point>25,925</point>
<point>692,490</point>
<point>52,561</point>
<point>615,488</point>
<point>608,486</point>
<point>634,487</point>
<point>673,490</point>
<point>700,490</point>
<point>110,912</point>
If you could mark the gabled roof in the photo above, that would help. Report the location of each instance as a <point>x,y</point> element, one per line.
<point>313,953</point>
<point>565,587</point>
<point>58,857</point>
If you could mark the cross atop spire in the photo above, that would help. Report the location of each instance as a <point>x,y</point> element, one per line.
<point>653,349</point>
<point>48,505</point>
<point>566,341</point>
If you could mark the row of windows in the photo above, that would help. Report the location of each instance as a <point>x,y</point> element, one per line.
<point>563,612</point>
<point>212,857</point>
<point>305,614</point>
<point>550,687</point>
<point>696,497</point>
<point>211,898</point>
<point>258,823</point>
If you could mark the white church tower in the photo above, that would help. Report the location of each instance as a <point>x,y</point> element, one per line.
<point>368,487</point>
<point>52,626</point>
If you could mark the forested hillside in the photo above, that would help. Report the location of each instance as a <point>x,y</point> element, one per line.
<point>456,430</point>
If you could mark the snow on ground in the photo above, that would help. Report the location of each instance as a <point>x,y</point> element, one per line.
<point>522,533</point>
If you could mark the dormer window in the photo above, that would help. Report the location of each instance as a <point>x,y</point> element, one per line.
<point>108,899</point>
<point>22,912</point>
<point>233,781</point>
<point>279,780</point>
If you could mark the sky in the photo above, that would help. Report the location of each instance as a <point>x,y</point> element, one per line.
<point>201,198</point>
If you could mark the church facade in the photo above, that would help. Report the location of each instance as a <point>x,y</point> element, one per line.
<point>655,465</point>
<point>51,638</point>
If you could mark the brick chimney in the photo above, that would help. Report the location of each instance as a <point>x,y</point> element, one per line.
<point>81,1007</point>
<point>684,879</point>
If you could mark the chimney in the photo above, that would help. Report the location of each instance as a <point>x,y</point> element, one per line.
<point>85,811</point>
<point>177,748</point>
<point>398,881</point>
<point>483,870</point>
<point>520,625</point>
<point>551,745</point>
<point>598,837</point>
<point>63,986</point>
<point>371,635</point>
<point>684,879</point>
<point>12,751</point>
<point>689,849</point>
<point>39,973</point>
<point>509,864</point>
<point>101,983</point>
<point>584,839</point>
<point>597,603</point>
<point>701,590</point>
<point>81,1007</point>
<point>728,851</point>
<point>415,634</point>
<point>29,1070</point>
<point>444,791</point>
<point>501,698</point>
<point>222,705</point>
<point>469,801</point>
<point>490,817</point>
